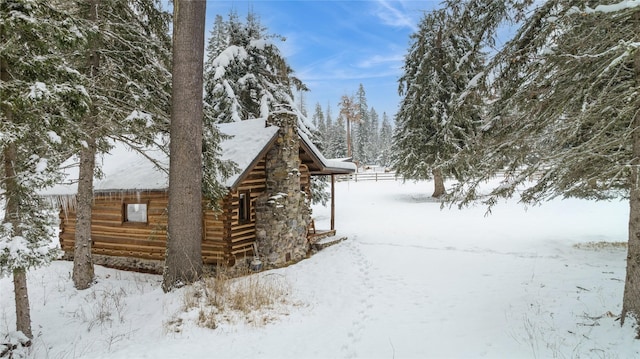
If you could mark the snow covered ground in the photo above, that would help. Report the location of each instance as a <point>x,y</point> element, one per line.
<point>411,281</point>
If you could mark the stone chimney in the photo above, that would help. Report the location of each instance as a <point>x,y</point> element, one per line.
<point>283,213</point>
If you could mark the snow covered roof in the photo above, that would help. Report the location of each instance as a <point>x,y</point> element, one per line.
<point>319,164</point>
<point>251,139</point>
<point>121,168</point>
<point>125,169</point>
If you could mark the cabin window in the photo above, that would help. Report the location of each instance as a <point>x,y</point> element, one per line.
<point>135,212</point>
<point>244,207</point>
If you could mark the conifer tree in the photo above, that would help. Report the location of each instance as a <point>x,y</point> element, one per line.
<point>386,132</point>
<point>248,77</point>
<point>214,169</point>
<point>362,136</point>
<point>372,148</point>
<point>125,62</point>
<point>330,150</point>
<point>40,95</point>
<point>328,118</point>
<point>434,123</point>
<point>350,114</point>
<point>302,103</point>
<point>218,38</point>
<point>565,108</point>
<point>339,138</point>
<point>321,128</point>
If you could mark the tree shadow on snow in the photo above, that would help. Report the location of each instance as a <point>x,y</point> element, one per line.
<point>416,198</point>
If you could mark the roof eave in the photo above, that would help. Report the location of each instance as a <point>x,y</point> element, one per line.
<point>332,171</point>
<point>247,170</point>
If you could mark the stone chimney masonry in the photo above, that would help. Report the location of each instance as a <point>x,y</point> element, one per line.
<point>283,213</point>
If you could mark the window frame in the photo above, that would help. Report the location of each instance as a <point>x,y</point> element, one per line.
<point>125,217</point>
<point>244,207</point>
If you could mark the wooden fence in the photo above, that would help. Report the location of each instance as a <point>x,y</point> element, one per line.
<point>392,176</point>
<point>370,176</point>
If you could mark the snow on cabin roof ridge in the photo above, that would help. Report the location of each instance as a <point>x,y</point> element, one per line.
<point>125,169</point>
<point>250,138</point>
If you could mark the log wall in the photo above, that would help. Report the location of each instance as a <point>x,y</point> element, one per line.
<point>242,236</point>
<point>305,179</point>
<point>112,236</point>
<point>226,239</point>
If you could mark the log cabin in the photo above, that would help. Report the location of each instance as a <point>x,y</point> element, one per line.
<point>129,214</point>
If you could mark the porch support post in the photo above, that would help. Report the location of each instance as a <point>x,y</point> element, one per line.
<point>333,204</point>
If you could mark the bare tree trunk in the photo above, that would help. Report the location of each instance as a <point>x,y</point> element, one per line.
<point>83,272</point>
<point>23,313</point>
<point>183,262</point>
<point>438,180</point>
<point>631,298</point>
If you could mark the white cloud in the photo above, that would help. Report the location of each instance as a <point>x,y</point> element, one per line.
<point>396,14</point>
<point>381,60</point>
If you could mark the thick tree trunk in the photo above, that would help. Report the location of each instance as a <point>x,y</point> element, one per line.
<point>83,273</point>
<point>183,263</point>
<point>23,314</point>
<point>631,298</point>
<point>438,182</point>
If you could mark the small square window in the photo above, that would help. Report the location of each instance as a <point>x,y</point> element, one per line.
<point>135,212</point>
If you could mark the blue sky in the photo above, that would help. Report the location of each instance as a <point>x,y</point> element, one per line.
<point>333,46</point>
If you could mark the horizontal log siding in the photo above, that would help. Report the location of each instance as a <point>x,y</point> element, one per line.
<point>242,236</point>
<point>224,239</point>
<point>112,237</point>
<point>305,180</point>
<point>215,249</point>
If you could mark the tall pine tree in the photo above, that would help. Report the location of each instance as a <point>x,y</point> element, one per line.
<point>372,148</point>
<point>125,61</point>
<point>350,114</point>
<point>339,138</point>
<point>247,77</point>
<point>434,123</point>
<point>321,127</point>
<point>566,109</point>
<point>362,133</point>
<point>40,95</point>
<point>386,133</point>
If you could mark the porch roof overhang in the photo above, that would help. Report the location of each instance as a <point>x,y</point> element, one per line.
<point>318,165</point>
